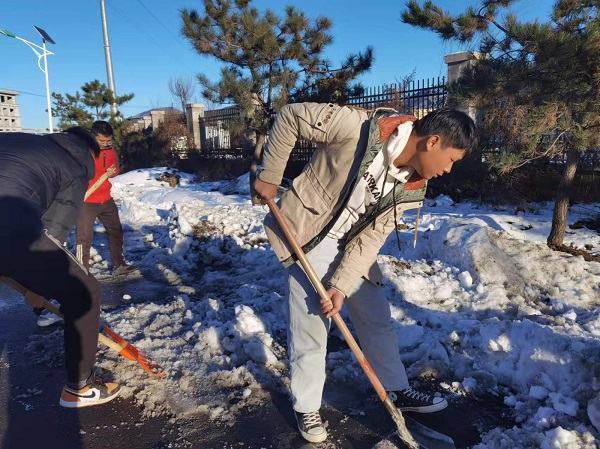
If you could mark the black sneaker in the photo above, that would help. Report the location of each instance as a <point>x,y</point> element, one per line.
<point>96,392</point>
<point>410,400</point>
<point>311,427</point>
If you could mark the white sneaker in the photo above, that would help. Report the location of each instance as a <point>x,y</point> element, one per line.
<point>47,318</point>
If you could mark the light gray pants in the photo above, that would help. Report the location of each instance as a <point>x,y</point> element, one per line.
<point>308,329</point>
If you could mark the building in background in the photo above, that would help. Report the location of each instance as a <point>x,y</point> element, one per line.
<point>10,116</point>
<point>149,120</point>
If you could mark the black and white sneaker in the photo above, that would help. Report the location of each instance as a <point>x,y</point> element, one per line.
<point>311,426</point>
<point>411,400</point>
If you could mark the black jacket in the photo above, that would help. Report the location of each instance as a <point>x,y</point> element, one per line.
<point>42,177</point>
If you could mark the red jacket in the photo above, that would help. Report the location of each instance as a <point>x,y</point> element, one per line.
<point>107,158</point>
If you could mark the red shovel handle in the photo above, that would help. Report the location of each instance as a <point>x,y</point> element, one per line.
<point>133,353</point>
<point>115,341</point>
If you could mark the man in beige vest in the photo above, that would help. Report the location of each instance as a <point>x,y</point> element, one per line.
<point>367,169</point>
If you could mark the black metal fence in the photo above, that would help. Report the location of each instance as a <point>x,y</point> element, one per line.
<point>414,97</point>
<point>221,134</point>
<point>221,131</point>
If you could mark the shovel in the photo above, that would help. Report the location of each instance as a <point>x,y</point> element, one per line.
<point>95,185</point>
<point>122,346</point>
<point>424,435</point>
<point>115,342</point>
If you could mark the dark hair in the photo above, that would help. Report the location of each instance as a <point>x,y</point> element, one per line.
<point>456,129</point>
<point>87,137</point>
<point>102,127</point>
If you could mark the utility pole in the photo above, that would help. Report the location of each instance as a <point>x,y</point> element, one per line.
<point>109,71</point>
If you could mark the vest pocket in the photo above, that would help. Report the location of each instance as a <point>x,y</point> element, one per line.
<point>311,194</point>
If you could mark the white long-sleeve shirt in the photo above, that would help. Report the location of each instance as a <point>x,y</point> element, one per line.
<point>378,180</point>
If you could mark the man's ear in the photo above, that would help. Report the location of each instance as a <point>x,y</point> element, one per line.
<point>433,141</point>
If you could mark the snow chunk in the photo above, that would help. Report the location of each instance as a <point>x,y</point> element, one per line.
<point>564,404</point>
<point>538,392</point>
<point>501,344</point>
<point>465,279</point>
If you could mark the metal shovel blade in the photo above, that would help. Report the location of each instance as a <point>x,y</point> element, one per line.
<point>425,437</point>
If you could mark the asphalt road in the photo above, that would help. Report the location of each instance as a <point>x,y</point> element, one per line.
<point>31,418</point>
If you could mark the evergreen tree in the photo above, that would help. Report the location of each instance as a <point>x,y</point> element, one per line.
<point>537,82</point>
<point>269,61</point>
<point>92,103</point>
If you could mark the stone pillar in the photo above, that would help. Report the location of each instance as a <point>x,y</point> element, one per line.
<point>156,117</point>
<point>147,121</point>
<point>193,113</point>
<point>456,64</point>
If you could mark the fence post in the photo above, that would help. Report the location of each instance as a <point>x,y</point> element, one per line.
<point>457,62</point>
<point>193,113</point>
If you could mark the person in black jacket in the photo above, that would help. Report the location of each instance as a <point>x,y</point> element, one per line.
<point>42,183</point>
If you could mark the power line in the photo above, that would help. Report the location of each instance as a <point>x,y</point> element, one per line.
<point>160,23</point>
<point>149,36</point>
<point>131,22</point>
<point>20,92</point>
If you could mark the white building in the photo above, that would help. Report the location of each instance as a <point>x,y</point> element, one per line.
<point>10,116</point>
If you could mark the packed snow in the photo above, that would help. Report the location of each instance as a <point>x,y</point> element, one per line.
<point>480,302</point>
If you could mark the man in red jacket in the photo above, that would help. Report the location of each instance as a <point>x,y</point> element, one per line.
<point>100,204</point>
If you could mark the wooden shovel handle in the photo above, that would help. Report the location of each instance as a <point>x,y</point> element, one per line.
<point>366,366</point>
<point>101,337</point>
<point>52,308</point>
<point>56,311</point>
<point>314,279</point>
<point>18,287</point>
<point>126,349</point>
<point>95,185</point>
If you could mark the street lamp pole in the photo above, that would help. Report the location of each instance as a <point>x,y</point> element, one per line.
<point>48,103</point>
<point>43,55</point>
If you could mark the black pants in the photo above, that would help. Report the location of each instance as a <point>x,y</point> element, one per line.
<point>108,214</point>
<point>46,268</point>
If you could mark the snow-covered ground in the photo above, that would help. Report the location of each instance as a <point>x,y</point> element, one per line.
<point>480,302</point>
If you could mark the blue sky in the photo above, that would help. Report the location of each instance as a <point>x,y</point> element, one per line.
<point>148,49</point>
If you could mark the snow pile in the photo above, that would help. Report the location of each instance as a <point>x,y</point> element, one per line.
<point>481,303</point>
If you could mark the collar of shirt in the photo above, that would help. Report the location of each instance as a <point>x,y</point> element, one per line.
<point>402,174</point>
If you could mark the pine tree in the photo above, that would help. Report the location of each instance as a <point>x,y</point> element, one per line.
<point>92,103</point>
<point>537,82</point>
<point>269,61</point>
